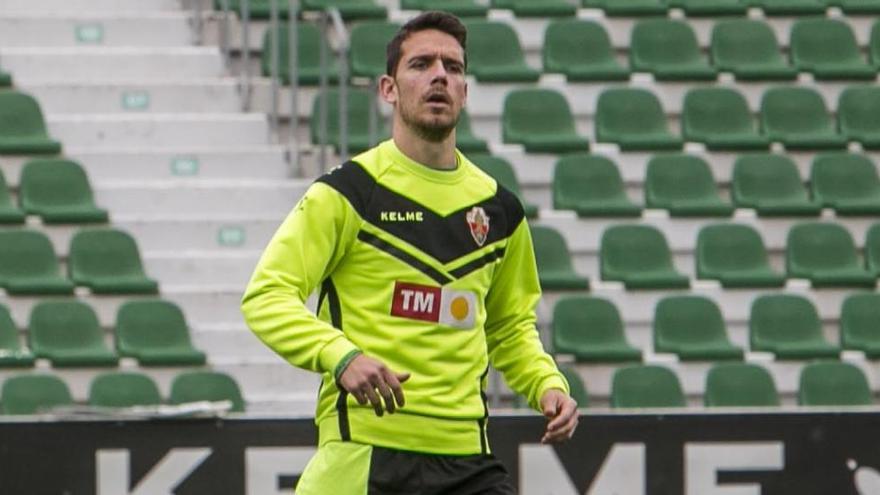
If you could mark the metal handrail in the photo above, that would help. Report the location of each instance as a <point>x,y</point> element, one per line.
<point>224,31</point>
<point>245,74</point>
<point>293,72</point>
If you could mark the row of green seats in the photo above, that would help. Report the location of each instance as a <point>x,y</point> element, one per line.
<point>22,126</point>
<point>68,334</point>
<point>348,9</point>
<point>731,7</point>
<point>693,328</point>
<point>39,393</point>
<point>55,189</point>
<point>733,254</point>
<point>105,260</point>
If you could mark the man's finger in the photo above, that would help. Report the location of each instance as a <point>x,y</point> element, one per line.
<point>375,400</point>
<point>359,397</point>
<point>385,392</point>
<point>396,389</point>
<point>402,377</point>
<point>569,411</point>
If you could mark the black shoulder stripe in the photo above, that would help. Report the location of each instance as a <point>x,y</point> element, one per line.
<point>353,182</point>
<point>404,256</point>
<point>478,263</point>
<point>513,208</point>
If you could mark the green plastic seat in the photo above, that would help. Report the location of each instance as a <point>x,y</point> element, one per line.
<point>825,254</point>
<point>257,9</point>
<point>833,383</point>
<point>630,8</point>
<point>5,79</point>
<point>22,128</point>
<point>459,8</point>
<point>591,185</point>
<point>9,213</point>
<point>359,105</point>
<point>858,115</point>
<point>683,185</point>
<point>195,386</point>
<point>789,327</point>
<point>465,140</point>
<point>872,249</point>
<point>692,328</point>
<point>495,54</point>
<point>792,7</point>
<point>555,269</point>
<point>12,353</point>
<point>33,394</point>
<point>58,191</point>
<point>582,51</point>
<point>740,385</point>
<point>590,329</point>
<point>714,8</point>
<point>537,8</point>
<point>859,330</point>
<point>577,389</point>
<point>155,332</point>
<point>350,10</point>
<point>646,386</point>
<point>123,389</point>
<point>308,58</point>
<point>368,42</point>
<point>772,186</point>
<point>858,7</point>
<point>540,120</point>
<point>827,48</point>
<point>797,117</point>
<point>749,50</point>
<point>69,335</point>
<point>846,182</point>
<point>874,45</point>
<point>28,265</point>
<point>734,254</point>
<point>107,261</point>
<point>668,49</point>
<point>638,256</point>
<point>633,119</point>
<point>720,118</point>
<point>501,170</point>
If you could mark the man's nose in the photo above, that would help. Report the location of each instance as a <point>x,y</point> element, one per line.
<point>438,71</point>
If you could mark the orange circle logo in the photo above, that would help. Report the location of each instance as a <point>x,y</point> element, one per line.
<point>459,308</point>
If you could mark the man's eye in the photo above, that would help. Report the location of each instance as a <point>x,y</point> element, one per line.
<point>456,68</point>
<point>418,64</point>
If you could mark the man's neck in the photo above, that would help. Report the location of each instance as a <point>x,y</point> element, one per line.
<point>436,155</point>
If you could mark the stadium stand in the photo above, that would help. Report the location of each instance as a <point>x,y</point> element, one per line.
<point>577,387</point>
<point>798,118</point>
<point>156,334</point>
<point>720,118</point>
<point>591,329</point>
<point>495,54</point>
<point>749,49</point>
<point>33,394</point>
<point>368,40</point>
<point>194,386</point>
<point>833,384</point>
<point>846,182</point>
<point>740,385</point>
<point>582,51</point>
<point>668,49</point>
<point>872,249</point>
<point>789,327</point>
<point>591,185</point>
<point>827,49</point>
<point>634,120</point>
<point>540,120</point>
<point>501,170</point>
<point>772,186</point>
<point>9,213</point>
<point>825,254</point>
<point>22,127</point>
<point>465,138</point>
<point>28,264</point>
<point>12,352</point>
<point>692,328</point>
<point>123,389</point>
<point>59,192</point>
<point>646,386</point>
<point>639,256</point>
<point>858,328</point>
<point>308,58</point>
<point>69,335</point>
<point>735,255</point>
<point>684,186</point>
<point>461,8</point>
<point>857,110</point>
<point>554,263</point>
<point>108,261</point>
<point>359,104</point>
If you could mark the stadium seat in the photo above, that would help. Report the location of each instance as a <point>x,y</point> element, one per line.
<point>308,58</point>
<point>683,185</point>
<point>872,249</point>
<point>367,53</point>
<point>590,329</point>
<point>833,383</point>
<point>495,54</point>
<point>874,45</point>
<point>827,48</point>
<point>859,330</point>
<point>5,79</point>
<point>630,8</point>
<point>633,119</point>
<point>720,118</point>
<point>12,352</point>
<point>858,115</point>
<point>58,191</point>
<point>107,261</point>
<point>714,8</point>
<point>349,9</point>
<point>69,335</point>
<point>155,332</point>
<point>195,386</point>
<point>257,9</point>
<point>846,182</point>
<point>577,389</point>
<point>359,107</point>
<point>771,185</point>
<point>646,386</point>
<point>501,170</point>
<point>537,8</point>
<point>692,328</point>
<point>638,256</point>
<point>591,185</point>
<point>749,50</point>
<point>825,254</point>
<point>123,389</point>
<point>582,51</point>
<point>9,213</point>
<point>540,120</point>
<point>33,394</point>
<point>789,327</point>
<point>22,128</point>
<point>460,8</point>
<point>740,385</point>
<point>791,7</point>
<point>858,7</point>
<point>797,117</point>
<point>555,269</point>
<point>28,265</point>
<point>465,140</point>
<point>734,254</point>
<point>668,49</point>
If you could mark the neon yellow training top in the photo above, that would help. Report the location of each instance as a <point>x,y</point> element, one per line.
<point>432,272</point>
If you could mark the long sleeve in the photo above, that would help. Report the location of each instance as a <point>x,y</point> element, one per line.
<point>511,334</point>
<point>303,252</point>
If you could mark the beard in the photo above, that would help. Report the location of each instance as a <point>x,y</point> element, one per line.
<point>434,128</point>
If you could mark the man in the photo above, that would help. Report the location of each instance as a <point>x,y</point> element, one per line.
<point>426,274</point>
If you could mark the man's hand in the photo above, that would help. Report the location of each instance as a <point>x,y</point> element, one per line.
<point>367,379</point>
<point>561,411</point>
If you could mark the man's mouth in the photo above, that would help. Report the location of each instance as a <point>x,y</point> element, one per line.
<point>439,98</point>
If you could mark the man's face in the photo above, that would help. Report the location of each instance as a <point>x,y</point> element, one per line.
<point>429,88</point>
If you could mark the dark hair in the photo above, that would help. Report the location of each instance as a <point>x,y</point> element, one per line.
<point>441,21</point>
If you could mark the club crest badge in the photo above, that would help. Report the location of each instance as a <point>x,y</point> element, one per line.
<point>478,221</point>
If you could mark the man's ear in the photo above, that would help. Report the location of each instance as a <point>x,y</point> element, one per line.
<point>388,89</point>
